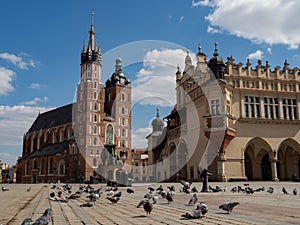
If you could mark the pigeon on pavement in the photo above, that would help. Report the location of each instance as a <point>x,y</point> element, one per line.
<point>27,221</point>
<point>228,206</point>
<point>295,191</point>
<point>148,207</point>
<point>193,200</point>
<point>130,191</point>
<point>88,204</point>
<point>270,190</point>
<point>45,218</point>
<point>196,213</point>
<point>284,191</point>
<point>5,189</point>
<point>113,200</point>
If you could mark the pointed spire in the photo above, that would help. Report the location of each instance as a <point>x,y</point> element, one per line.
<point>91,45</point>
<point>216,49</point>
<point>199,48</point>
<point>157,112</point>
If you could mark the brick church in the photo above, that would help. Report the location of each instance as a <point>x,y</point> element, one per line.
<point>87,139</point>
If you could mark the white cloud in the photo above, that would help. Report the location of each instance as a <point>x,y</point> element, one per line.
<point>269,51</point>
<point>213,30</point>
<point>35,101</point>
<point>139,137</point>
<point>202,3</point>
<point>155,83</point>
<point>34,86</point>
<point>15,121</point>
<point>269,21</point>
<point>6,78</point>
<point>256,55</point>
<point>180,19</point>
<point>22,61</point>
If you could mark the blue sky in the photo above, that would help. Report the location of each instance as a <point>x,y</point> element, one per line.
<point>41,43</point>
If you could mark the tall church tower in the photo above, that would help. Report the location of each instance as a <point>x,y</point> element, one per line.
<point>118,106</point>
<point>90,105</point>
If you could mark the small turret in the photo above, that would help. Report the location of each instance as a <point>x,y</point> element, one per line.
<point>216,64</point>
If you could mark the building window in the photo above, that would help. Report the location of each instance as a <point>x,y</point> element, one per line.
<point>51,167</point>
<point>123,97</point>
<point>61,167</point>
<point>95,106</point>
<point>215,107</point>
<point>89,71</point>
<point>109,134</point>
<point>123,110</point>
<point>95,118</point>
<point>109,97</point>
<point>27,168</point>
<point>289,108</point>
<point>42,167</point>
<point>95,141</point>
<point>123,132</point>
<point>35,164</point>
<point>95,129</point>
<point>94,162</point>
<point>251,107</point>
<point>192,172</point>
<point>271,108</point>
<point>123,121</point>
<point>95,95</point>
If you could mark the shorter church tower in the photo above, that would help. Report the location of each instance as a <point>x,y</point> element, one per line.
<point>118,108</point>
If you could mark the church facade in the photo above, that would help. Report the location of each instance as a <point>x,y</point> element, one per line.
<point>239,122</point>
<point>90,138</point>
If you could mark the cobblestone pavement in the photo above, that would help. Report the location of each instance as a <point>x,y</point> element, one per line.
<point>258,208</point>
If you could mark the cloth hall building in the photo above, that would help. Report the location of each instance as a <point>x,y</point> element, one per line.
<point>241,122</point>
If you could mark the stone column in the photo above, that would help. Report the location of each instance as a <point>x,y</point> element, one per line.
<point>221,168</point>
<point>274,170</point>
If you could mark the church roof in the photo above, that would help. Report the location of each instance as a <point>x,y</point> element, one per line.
<point>50,149</point>
<point>52,118</point>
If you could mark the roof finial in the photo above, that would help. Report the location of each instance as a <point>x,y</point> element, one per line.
<point>216,49</point>
<point>199,48</point>
<point>92,17</point>
<point>157,112</point>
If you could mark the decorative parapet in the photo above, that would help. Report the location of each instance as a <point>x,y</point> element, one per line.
<point>262,71</point>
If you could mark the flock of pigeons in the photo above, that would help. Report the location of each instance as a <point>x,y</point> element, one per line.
<point>151,197</point>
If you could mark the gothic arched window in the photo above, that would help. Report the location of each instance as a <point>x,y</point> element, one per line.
<point>109,134</point>
<point>51,167</point>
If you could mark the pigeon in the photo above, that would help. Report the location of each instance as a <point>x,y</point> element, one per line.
<point>295,191</point>
<point>186,184</point>
<point>45,218</point>
<point>148,195</point>
<point>193,200</point>
<point>234,189</point>
<point>151,189</point>
<point>196,213</point>
<point>284,191</point>
<point>148,207</point>
<point>88,204</point>
<point>194,189</point>
<point>169,197</point>
<point>141,203</point>
<point>130,191</point>
<point>228,206</point>
<point>117,195</point>
<point>160,188</point>
<point>52,194</point>
<point>5,189</point>
<point>27,221</point>
<point>28,189</point>
<point>270,190</point>
<point>74,196</point>
<point>113,200</point>
<point>172,188</point>
<point>155,199</point>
